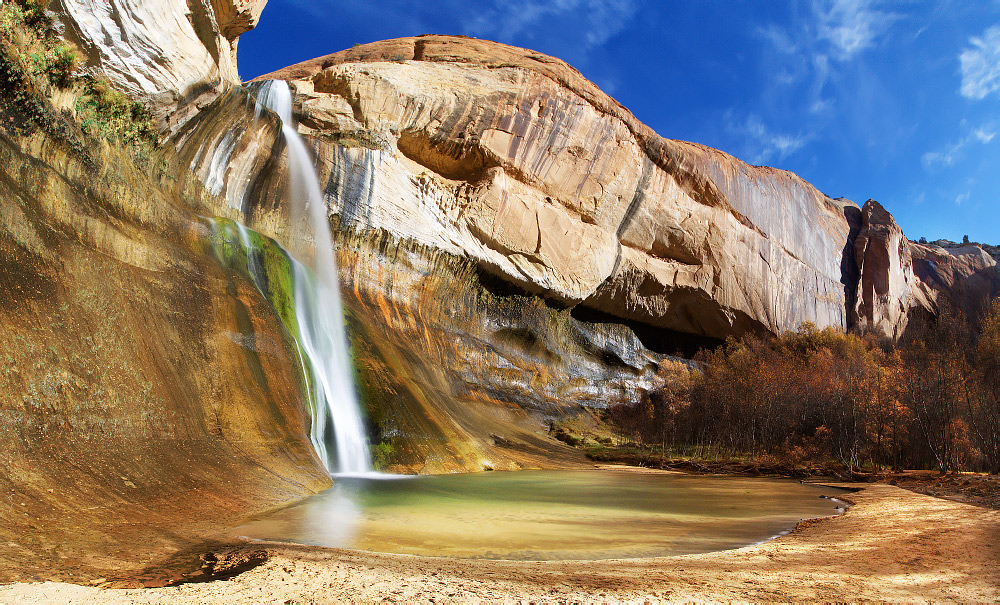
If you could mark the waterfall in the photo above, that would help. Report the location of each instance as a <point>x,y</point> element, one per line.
<point>337,420</point>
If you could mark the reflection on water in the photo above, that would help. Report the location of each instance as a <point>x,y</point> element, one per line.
<point>546,515</point>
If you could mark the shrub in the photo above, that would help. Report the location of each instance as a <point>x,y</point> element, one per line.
<point>37,60</point>
<point>929,401</point>
<point>110,114</point>
<point>566,437</point>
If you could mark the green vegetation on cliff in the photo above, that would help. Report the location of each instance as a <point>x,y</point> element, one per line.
<point>43,88</point>
<point>142,380</point>
<point>274,275</point>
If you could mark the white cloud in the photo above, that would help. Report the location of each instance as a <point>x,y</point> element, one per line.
<point>840,29</point>
<point>785,144</point>
<point>938,158</point>
<point>952,152</point>
<point>784,76</point>
<point>983,135</point>
<point>850,26</point>
<point>778,38</point>
<point>761,144</point>
<point>820,106</point>
<point>981,65</point>
<point>834,32</point>
<point>814,62</point>
<point>962,198</point>
<point>599,20</point>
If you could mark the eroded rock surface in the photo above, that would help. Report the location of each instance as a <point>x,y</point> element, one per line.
<point>149,396</point>
<point>897,276</point>
<point>174,55</point>
<point>514,159</point>
<point>458,378</point>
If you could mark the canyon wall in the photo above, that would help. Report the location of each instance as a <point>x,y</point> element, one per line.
<point>174,56</point>
<point>898,277</point>
<point>149,394</point>
<point>513,159</point>
<point>547,191</point>
<point>456,377</point>
<point>515,248</point>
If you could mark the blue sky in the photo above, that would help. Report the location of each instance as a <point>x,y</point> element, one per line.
<point>896,101</point>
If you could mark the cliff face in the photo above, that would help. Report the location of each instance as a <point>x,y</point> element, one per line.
<point>468,149</point>
<point>897,276</point>
<point>176,56</point>
<point>457,377</point>
<point>148,392</point>
<point>456,374</point>
<point>514,159</point>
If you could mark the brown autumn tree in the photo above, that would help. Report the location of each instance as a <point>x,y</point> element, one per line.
<point>930,401</point>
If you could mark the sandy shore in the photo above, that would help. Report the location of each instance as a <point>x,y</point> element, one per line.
<point>892,545</point>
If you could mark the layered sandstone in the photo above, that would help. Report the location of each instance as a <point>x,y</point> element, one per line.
<point>514,159</point>
<point>897,276</point>
<point>465,149</point>
<point>150,395</point>
<point>511,158</point>
<point>458,378</point>
<point>175,56</point>
<point>454,376</point>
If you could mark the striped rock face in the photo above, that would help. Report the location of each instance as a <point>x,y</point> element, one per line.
<point>897,277</point>
<point>514,159</point>
<point>176,56</point>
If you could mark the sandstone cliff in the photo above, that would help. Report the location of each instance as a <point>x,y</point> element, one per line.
<point>457,374</point>
<point>456,377</point>
<point>451,148</point>
<point>897,276</point>
<point>175,56</point>
<point>149,394</point>
<point>514,159</point>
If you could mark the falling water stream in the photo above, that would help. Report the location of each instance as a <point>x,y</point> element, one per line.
<point>337,428</point>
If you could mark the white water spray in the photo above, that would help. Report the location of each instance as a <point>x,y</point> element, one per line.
<point>336,412</point>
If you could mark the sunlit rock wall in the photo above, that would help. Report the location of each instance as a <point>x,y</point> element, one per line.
<point>898,277</point>
<point>515,160</point>
<point>174,55</point>
<point>466,149</point>
<point>454,376</point>
<point>149,396</point>
<point>457,377</point>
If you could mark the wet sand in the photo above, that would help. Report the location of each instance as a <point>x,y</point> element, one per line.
<point>892,545</point>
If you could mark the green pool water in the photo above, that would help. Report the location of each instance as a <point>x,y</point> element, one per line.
<point>547,515</point>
